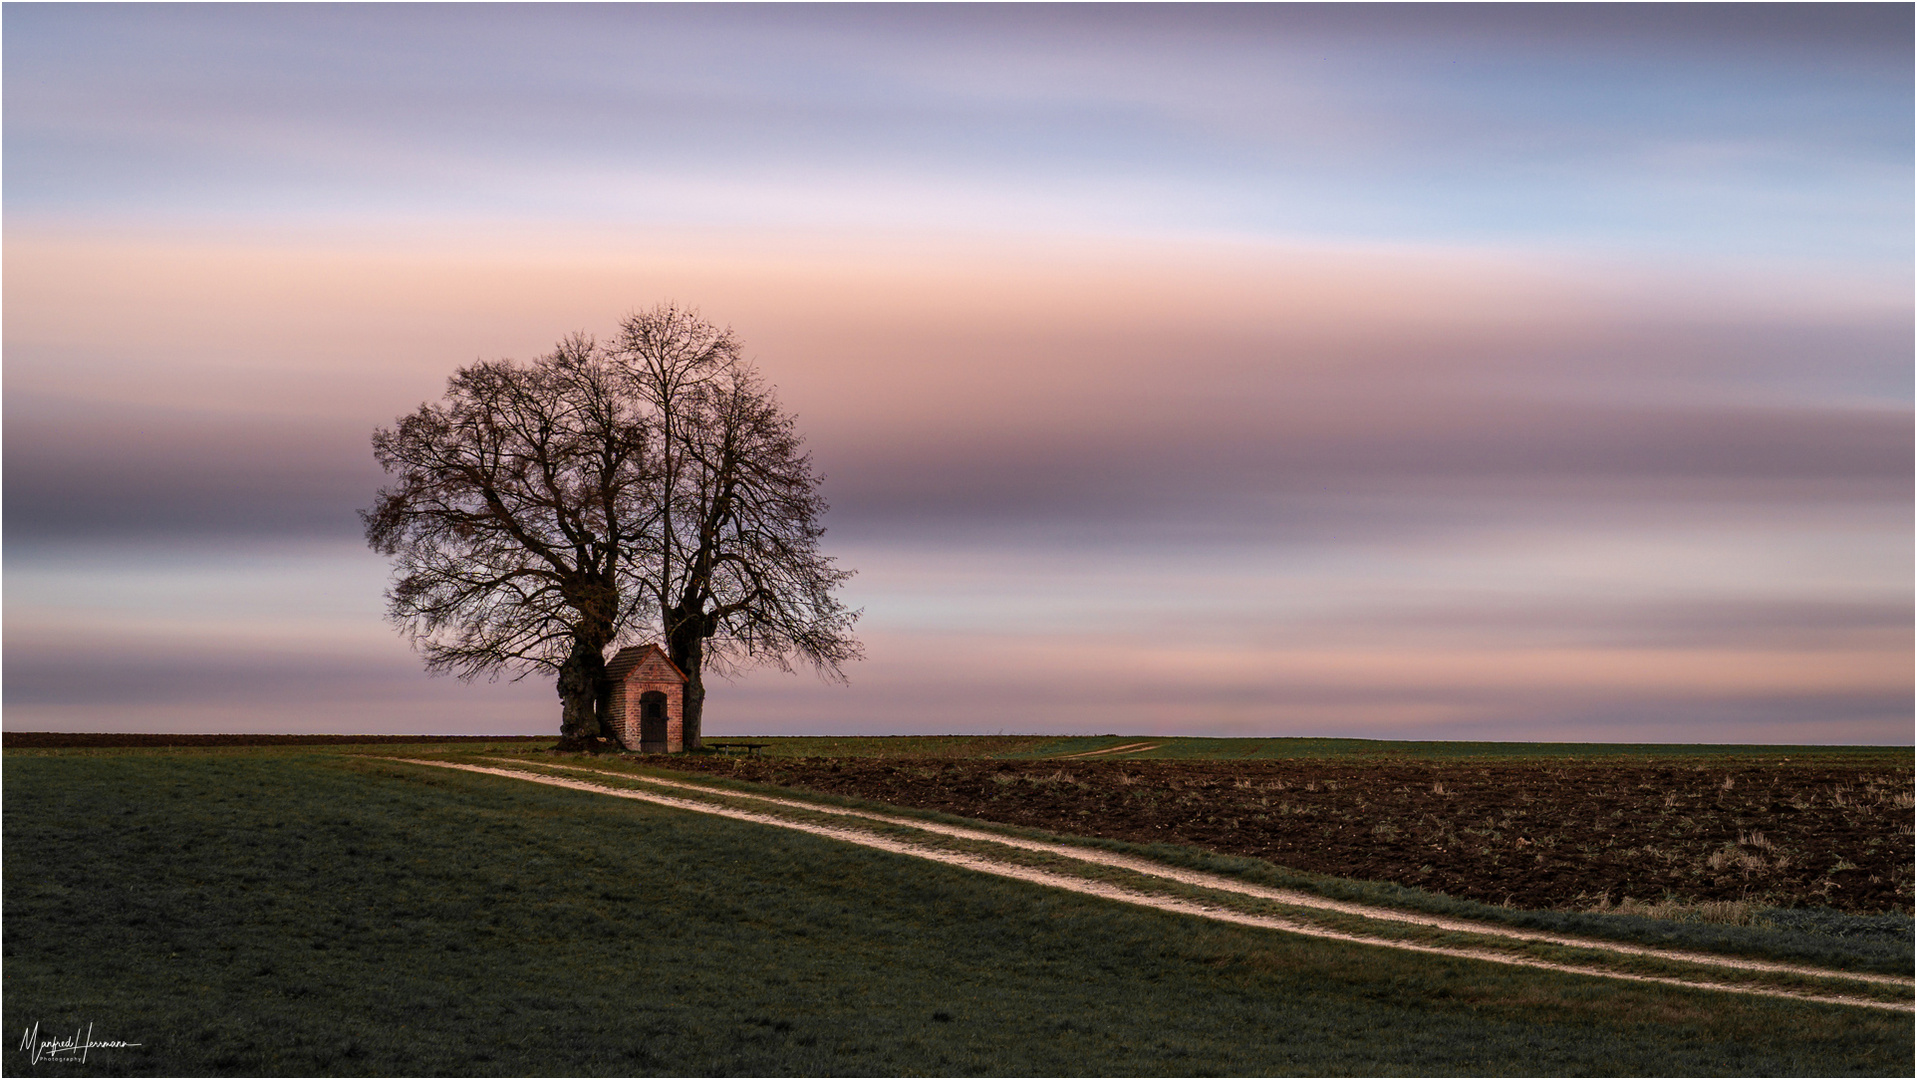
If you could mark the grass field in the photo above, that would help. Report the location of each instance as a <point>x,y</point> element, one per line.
<point>312,910</point>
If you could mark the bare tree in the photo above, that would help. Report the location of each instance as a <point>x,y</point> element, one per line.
<point>544,512</point>
<point>749,584</point>
<point>733,561</point>
<point>517,502</point>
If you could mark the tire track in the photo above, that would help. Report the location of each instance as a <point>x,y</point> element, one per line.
<point>1107,890</point>
<point>1129,748</point>
<point>1291,897</point>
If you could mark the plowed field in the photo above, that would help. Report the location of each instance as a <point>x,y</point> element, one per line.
<point>1537,834</point>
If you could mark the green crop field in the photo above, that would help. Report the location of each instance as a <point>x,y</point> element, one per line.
<point>322,911</point>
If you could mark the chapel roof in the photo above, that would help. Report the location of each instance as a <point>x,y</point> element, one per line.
<point>630,657</point>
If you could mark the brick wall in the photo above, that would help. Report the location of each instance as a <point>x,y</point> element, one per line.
<point>654,673</point>
<point>616,716</point>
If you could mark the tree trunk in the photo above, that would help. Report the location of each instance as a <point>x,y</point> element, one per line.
<point>695,707</point>
<point>688,648</point>
<point>580,680</point>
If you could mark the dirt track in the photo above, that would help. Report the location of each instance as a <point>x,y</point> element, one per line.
<point>1108,890</point>
<point>1540,834</point>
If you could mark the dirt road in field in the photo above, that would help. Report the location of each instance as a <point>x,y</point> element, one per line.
<point>1536,833</point>
<point>700,801</point>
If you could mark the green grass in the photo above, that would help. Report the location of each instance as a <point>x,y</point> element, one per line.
<point>1020,747</point>
<point>276,912</point>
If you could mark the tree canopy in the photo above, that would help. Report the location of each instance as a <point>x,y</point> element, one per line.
<point>647,488</point>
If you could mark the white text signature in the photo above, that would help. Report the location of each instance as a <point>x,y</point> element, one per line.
<point>65,1048</point>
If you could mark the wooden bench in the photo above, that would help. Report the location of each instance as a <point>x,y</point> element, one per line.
<point>751,748</point>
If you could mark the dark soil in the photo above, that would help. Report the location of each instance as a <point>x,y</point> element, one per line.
<point>1548,834</point>
<point>55,740</point>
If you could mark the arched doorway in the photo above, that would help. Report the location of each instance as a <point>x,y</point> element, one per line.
<point>652,721</point>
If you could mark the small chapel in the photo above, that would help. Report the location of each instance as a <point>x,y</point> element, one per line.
<point>646,711</point>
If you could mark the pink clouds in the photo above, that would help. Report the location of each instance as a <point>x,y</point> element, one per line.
<point>1213,487</point>
<point>968,375</point>
<point>946,313</point>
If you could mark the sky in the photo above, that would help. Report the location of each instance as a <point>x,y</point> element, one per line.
<point>1409,372</point>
